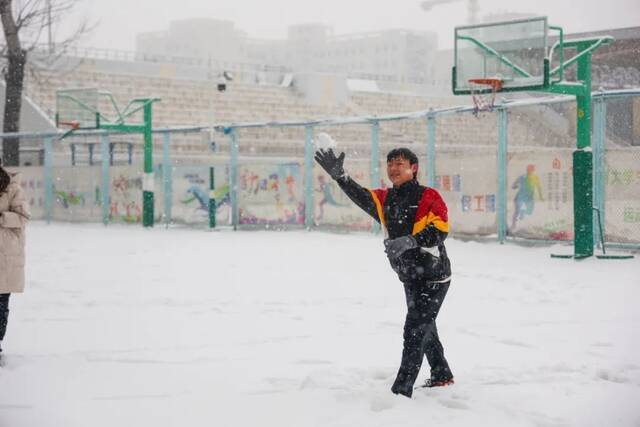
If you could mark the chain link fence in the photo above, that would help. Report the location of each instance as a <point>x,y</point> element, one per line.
<point>506,173</point>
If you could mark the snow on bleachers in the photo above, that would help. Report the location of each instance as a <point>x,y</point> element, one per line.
<point>606,77</point>
<point>193,103</point>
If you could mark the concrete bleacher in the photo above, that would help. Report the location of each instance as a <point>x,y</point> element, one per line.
<point>198,103</point>
<point>606,77</point>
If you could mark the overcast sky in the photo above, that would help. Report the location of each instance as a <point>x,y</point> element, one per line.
<point>118,21</point>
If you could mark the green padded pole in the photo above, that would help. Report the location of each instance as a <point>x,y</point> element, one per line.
<point>583,165</point>
<point>212,197</point>
<point>148,180</point>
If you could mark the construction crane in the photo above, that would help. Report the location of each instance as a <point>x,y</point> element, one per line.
<point>472,7</point>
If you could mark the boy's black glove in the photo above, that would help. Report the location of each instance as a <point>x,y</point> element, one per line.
<point>330,163</point>
<point>396,247</point>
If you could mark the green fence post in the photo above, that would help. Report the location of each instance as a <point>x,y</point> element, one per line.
<point>105,178</point>
<point>233,178</point>
<point>431,151</point>
<point>308,177</point>
<point>148,182</point>
<point>167,178</point>
<point>212,197</point>
<point>502,174</point>
<point>375,163</point>
<point>599,133</point>
<point>48,179</point>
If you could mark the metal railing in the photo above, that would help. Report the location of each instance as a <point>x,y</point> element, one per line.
<point>431,120</point>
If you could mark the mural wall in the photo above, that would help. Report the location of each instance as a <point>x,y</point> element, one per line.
<point>32,182</point>
<point>332,207</point>
<point>271,194</point>
<point>190,195</point>
<point>467,183</point>
<point>539,194</point>
<point>622,188</point>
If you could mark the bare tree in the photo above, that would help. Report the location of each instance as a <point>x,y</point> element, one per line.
<point>27,20</point>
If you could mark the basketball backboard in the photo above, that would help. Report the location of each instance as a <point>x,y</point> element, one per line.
<point>77,108</point>
<point>512,51</point>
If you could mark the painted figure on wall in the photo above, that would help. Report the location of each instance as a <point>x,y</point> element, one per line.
<point>201,196</point>
<point>524,201</point>
<point>269,194</point>
<point>326,189</point>
<point>125,204</point>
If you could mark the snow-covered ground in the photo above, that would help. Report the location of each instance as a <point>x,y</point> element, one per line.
<point>122,326</point>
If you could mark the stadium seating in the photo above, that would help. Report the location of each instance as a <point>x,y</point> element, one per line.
<point>198,103</point>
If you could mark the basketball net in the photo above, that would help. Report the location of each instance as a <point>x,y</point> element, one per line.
<point>483,93</point>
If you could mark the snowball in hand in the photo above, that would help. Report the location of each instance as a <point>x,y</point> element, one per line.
<point>323,141</point>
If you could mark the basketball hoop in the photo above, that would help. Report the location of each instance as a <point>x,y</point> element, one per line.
<point>73,125</point>
<point>483,93</point>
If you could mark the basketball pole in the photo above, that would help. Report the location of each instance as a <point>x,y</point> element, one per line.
<point>146,128</point>
<point>583,164</point>
<point>583,242</point>
<point>148,183</point>
<point>553,81</point>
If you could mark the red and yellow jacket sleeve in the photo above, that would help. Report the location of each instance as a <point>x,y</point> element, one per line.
<point>379,196</point>
<point>370,201</point>
<point>432,220</point>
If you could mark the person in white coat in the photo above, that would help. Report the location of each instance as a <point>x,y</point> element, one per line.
<point>14,214</point>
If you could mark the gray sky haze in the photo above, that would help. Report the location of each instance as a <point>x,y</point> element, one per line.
<point>120,20</point>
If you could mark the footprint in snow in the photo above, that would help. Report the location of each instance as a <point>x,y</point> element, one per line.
<point>382,402</point>
<point>454,404</point>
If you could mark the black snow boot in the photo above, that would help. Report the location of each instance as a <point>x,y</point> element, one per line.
<point>435,382</point>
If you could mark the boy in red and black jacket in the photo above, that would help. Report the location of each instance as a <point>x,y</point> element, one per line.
<point>415,222</point>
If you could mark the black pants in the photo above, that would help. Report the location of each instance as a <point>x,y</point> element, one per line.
<point>421,335</point>
<point>4,314</point>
